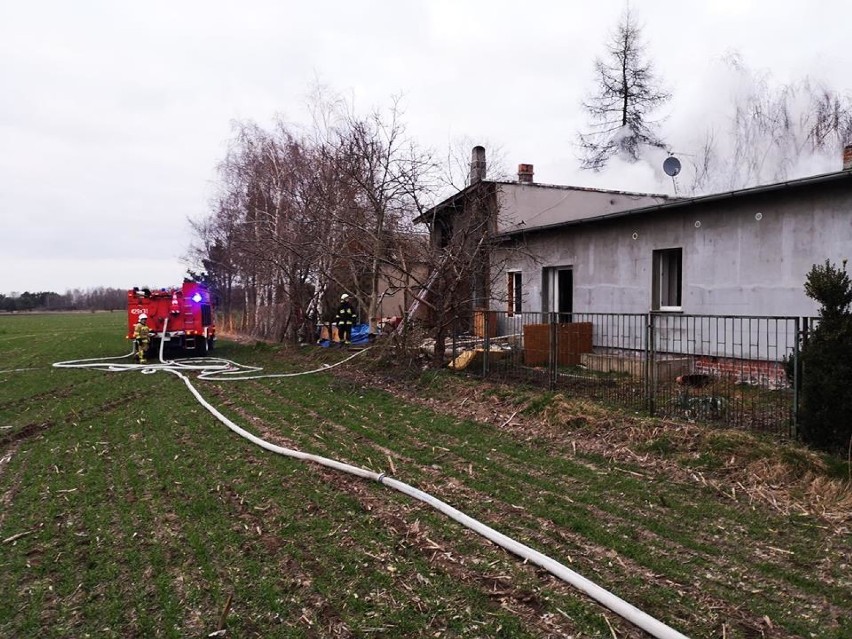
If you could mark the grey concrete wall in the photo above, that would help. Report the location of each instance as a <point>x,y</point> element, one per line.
<point>733,263</point>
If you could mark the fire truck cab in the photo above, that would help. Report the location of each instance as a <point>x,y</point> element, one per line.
<point>180,317</point>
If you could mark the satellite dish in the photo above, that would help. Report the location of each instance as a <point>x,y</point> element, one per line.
<point>671,166</point>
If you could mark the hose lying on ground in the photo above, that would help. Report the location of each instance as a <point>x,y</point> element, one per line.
<point>215,369</point>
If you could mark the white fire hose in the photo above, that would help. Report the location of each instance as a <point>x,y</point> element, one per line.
<point>215,369</point>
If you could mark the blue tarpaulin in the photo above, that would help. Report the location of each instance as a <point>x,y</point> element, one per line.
<point>360,335</point>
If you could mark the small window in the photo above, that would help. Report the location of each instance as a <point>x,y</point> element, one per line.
<point>668,280</point>
<point>515,292</point>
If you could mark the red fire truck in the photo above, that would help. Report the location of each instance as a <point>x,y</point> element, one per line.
<point>180,317</point>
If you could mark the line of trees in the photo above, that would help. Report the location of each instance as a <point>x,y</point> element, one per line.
<point>306,214</point>
<point>303,216</point>
<point>96,299</point>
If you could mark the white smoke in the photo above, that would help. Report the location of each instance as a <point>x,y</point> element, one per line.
<point>748,129</point>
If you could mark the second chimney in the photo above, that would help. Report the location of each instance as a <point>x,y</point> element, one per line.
<point>477,164</point>
<point>525,173</point>
<point>847,157</point>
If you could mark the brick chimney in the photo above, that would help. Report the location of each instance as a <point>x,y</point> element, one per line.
<point>477,164</point>
<point>847,157</point>
<point>525,173</point>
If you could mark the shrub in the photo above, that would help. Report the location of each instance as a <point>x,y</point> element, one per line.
<point>825,416</point>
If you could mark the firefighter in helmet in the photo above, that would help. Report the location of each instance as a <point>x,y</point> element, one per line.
<point>345,318</point>
<point>141,337</point>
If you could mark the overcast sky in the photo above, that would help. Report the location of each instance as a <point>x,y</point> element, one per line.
<point>114,115</point>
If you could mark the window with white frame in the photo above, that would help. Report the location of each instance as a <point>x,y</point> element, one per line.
<point>515,292</point>
<point>668,280</point>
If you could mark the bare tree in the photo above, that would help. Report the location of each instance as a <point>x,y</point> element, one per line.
<point>455,168</point>
<point>256,234</point>
<point>627,92</point>
<point>460,265</point>
<point>390,176</point>
<point>467,257</point>
<point>212,252</point>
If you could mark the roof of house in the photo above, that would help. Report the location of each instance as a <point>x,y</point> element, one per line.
<point>567,187</point>
<point>673,203</point>
<point>459,196</point>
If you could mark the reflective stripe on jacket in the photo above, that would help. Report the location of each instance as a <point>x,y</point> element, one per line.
<point>345,315</point>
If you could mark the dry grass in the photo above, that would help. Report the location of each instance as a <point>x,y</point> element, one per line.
<point>783,476</point>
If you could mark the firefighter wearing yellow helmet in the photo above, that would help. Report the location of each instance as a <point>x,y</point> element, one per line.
<point>141,337</point>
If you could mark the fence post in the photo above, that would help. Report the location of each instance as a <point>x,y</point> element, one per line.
<point>486,341</point>
<point>795,425</point>
<point>650,368</point>
<point>553,360</point>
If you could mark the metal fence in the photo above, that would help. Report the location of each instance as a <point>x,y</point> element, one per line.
<point>736,371</point>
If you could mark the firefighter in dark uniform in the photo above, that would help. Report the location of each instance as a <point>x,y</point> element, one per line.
<point>345,318</point>
<point>141,338</point>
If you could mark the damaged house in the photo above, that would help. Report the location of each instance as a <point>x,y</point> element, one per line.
<point>480,222</point>
<point>569,249</point>
<point>570,254</point>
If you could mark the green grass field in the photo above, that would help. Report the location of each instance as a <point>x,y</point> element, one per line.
<point>127,510</point>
